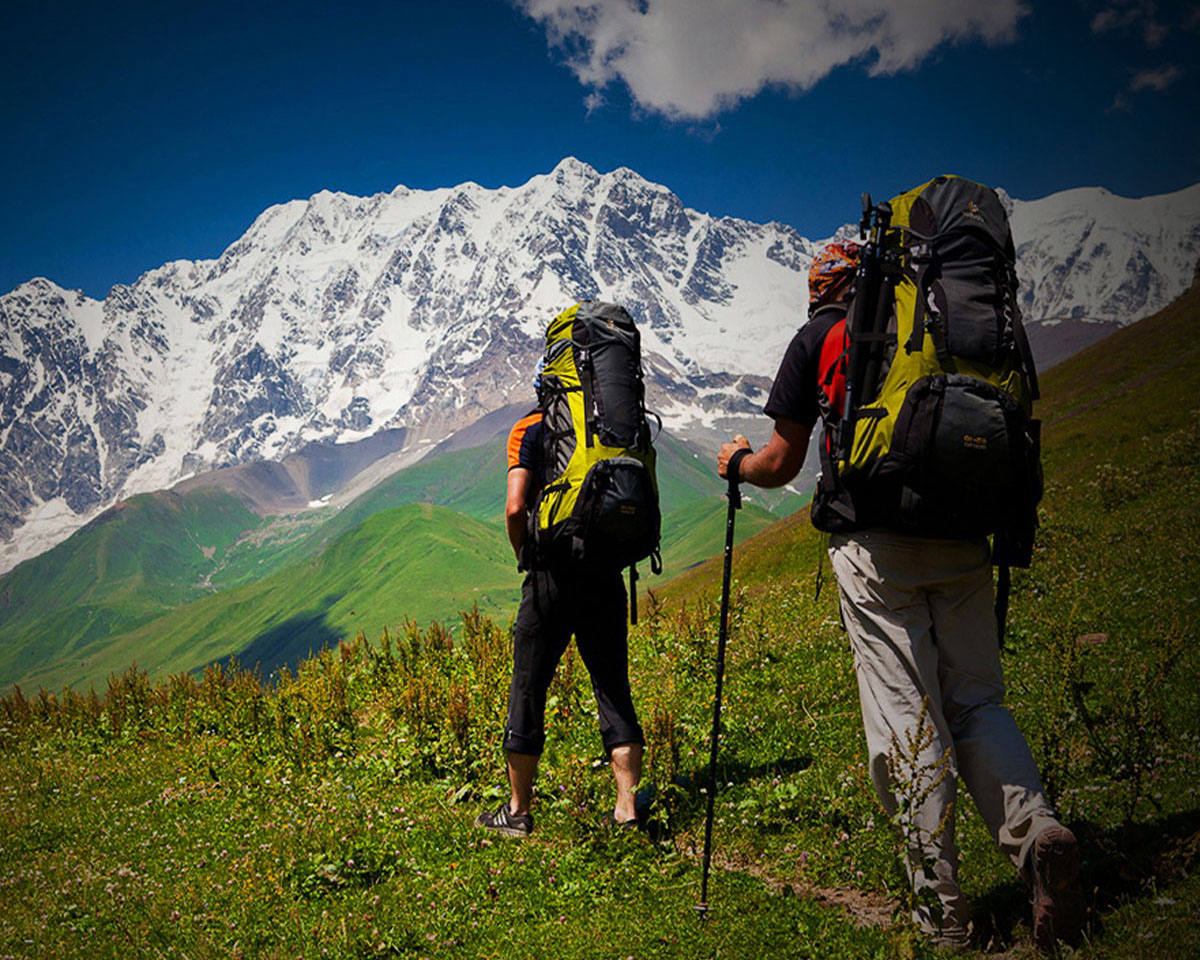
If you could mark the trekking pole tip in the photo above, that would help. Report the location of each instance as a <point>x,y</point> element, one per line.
<point>702,909</point>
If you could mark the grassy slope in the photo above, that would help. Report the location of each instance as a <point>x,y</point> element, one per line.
<point>157,553</point>
<point>420,559</point>
<point>470,482</point>
<point>696,532</point>
<point>149,554</point>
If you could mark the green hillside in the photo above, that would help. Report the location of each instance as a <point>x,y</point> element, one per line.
<point>696,532</point>
<point>468,481</point>
<point>147,555</point>
<point>419,559</point>
<point>428,562</point>
<point>72,614</point>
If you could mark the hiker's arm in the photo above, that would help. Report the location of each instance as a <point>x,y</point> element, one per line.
<point>519,479</point>
<point>775,464</point>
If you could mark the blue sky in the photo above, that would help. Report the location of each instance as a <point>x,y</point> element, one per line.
<point>141,132</point>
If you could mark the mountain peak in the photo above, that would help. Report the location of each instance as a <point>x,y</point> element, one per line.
<point>571,173</point>
<point>573,165</point>
<point>40,286</point>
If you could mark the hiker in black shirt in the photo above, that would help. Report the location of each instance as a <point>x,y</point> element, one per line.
<point>918,614</point>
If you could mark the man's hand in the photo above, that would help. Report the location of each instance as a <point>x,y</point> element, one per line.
<point>775,464</point>
<point>738,443</point>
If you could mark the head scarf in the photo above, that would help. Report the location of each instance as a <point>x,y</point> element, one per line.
<point>831,272</point>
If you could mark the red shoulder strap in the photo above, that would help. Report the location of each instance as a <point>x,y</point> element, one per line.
<point>831,368</point>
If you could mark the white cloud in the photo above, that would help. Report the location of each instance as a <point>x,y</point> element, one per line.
<point>1142,17</point>
<point>1158,79</point>
<point>690,59</point>
<point>1132,14</point>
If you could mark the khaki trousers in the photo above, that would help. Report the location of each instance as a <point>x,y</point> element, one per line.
<point>921,624</point>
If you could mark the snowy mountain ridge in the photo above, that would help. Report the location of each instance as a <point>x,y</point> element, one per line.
<point>1088,254</point>
<point>338,317</point>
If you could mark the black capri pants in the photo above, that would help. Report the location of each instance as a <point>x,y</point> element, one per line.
<point>556,603</point>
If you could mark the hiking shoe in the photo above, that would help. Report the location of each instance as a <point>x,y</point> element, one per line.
<point>953,941</point>
<point>1057,888</point>
<point>506,824</point>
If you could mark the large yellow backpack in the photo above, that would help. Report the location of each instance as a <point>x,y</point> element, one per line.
<point>600,502</point>
<point>936,435</point>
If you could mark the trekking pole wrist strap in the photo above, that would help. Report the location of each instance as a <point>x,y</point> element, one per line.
<point>733,469</point>
<point>733,473</point>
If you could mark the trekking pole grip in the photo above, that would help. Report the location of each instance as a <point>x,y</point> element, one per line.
<point>733,475</point>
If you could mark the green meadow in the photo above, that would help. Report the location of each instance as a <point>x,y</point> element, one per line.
<point>177,581</point>
<point>329,813</point>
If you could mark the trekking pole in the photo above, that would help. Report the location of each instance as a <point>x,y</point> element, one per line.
<point>735,503</point>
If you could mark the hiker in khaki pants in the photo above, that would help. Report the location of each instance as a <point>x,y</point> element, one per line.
<point>918,612</point>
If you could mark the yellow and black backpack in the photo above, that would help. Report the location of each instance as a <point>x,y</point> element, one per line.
<point>935,434</point>
<point>599,505</point>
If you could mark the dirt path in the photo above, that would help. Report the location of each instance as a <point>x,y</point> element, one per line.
<point>865,908</point>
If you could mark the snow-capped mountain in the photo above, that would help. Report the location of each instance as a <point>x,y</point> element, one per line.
<point>1089,255</point>
<point>1090,262</point>
<point>338,317</point>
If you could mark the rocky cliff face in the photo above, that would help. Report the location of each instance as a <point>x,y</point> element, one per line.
<point>337,317</point>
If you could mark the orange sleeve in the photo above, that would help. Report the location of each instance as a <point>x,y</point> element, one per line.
<point>517,434</point>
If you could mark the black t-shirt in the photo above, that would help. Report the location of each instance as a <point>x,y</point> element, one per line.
<point>794,395</point>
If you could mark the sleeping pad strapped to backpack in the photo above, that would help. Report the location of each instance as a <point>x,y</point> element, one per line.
<point>935,435</point>
<point>600,501</point>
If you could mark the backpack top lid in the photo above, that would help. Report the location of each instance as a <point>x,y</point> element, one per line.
<point>949,205</point>
<point>590,312</point>
<point>595,346</point>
